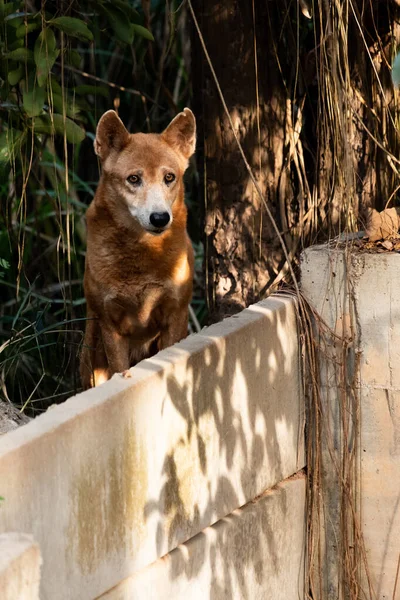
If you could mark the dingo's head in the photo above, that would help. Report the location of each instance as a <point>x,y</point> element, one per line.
<point>146,170</point>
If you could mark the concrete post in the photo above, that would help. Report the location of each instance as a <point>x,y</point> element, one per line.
<point>357,295</point>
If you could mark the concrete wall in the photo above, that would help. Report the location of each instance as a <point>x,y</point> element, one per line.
<point>118,476</point>
<point>359,293</point>
<point>19,567</point>
<point>256,553</point>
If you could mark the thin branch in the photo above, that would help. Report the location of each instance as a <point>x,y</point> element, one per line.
<point>121,88</point>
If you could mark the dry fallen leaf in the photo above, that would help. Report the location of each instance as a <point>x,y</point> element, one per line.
<point>383,225</point>
<point>387,244</point>
<point>305,6</point>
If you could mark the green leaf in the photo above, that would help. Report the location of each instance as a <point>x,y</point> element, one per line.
<point>126,8</point>
<point>96,90</point>
<point>45,54</point>
<point>33,101</point>
<point>396,70</point>
<point>6,9</point>
<point>143,32</point>
<point>82,104</point>
<point>11,106</point>
<point>55,124</point>
<point>17,15</point>
<point>119,23</point>
<point>15,21</point>
<point>23,29</point>
<point>74,58</point>
<point>55,86</point>
<point>10,144</point>
<point>20,55</point>
<point>15,76</point>
<point>71,108</point>
<point>4,264</point>
<point>17,43</point>
<point>74,27</point>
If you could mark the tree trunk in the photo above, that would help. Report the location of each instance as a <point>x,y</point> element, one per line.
<point>241,252</point>
<point>315,111</point>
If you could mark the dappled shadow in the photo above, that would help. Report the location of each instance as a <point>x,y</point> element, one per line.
<point>241,404</point>
<point>240,543</point>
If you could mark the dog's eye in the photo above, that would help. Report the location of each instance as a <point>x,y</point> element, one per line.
<point>134,179</point>
<point>169,178</point>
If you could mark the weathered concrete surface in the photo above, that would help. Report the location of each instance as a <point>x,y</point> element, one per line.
<point>19,567</point>
<point>256,553</point>
<point>118,476</point>
<point>365,289</point>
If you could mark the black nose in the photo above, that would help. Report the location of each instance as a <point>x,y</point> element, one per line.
<point>159,219</point>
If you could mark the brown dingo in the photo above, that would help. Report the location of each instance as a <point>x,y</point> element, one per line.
<point>139,261</point>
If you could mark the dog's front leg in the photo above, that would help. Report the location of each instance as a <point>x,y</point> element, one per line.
<point>175,330</point>
<point>117,350</point>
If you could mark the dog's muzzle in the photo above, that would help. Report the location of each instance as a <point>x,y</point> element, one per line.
<point>159,221</point>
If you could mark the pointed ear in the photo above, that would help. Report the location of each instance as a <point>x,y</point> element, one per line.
<point>110,134</point>
<point>181,133</point>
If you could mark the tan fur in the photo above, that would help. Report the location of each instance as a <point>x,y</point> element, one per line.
<point>138,283</point>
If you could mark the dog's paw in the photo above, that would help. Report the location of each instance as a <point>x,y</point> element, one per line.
<point>126,374</point>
